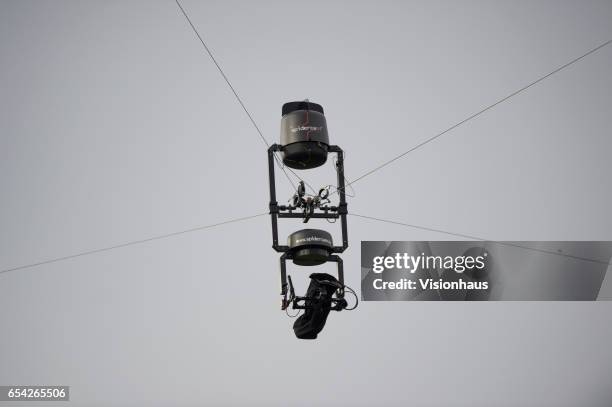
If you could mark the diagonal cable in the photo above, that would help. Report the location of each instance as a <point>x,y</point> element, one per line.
<point>500,101</point>
<point>229,84</point>
<point>134,242</point>
<point>212,57</point>
<point>394,222</point>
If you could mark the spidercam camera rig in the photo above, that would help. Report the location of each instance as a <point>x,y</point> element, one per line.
<point>305,145</point>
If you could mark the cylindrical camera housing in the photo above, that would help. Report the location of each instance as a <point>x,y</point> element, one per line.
<point>303,138</point>
<point>310,247</point>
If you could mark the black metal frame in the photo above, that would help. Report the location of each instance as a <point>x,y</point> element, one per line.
<point>288,286</point>
<point>325,212</point>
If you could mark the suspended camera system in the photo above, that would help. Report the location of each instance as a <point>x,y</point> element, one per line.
<point>304,144</point>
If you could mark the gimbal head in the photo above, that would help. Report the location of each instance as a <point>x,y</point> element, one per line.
<point>339,303</point>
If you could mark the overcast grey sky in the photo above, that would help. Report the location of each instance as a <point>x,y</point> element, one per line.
<point>115,126</point>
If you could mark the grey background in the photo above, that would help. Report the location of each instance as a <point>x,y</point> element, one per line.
<point>115,126</point>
